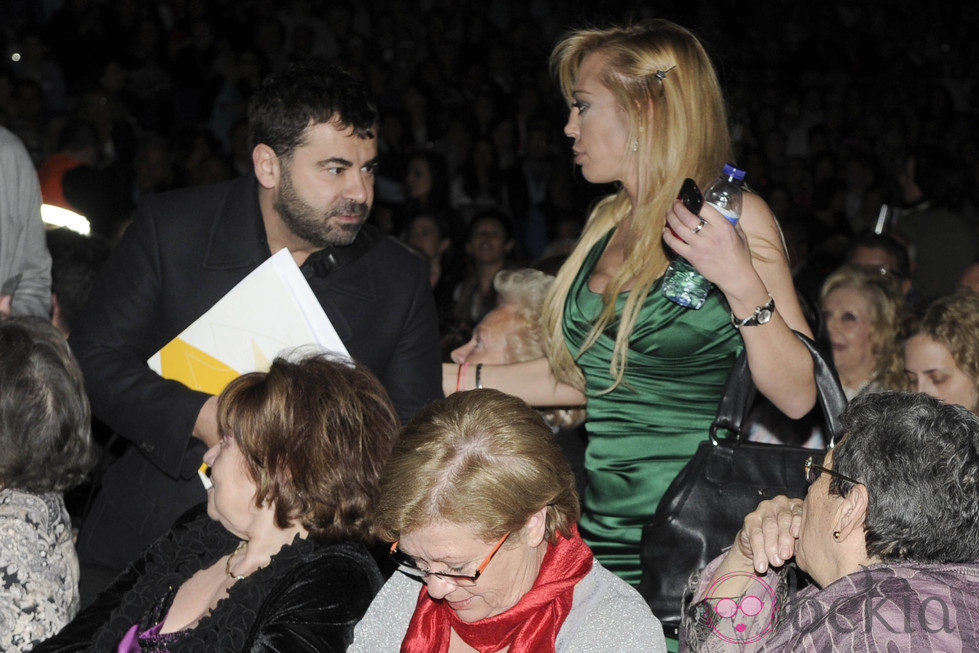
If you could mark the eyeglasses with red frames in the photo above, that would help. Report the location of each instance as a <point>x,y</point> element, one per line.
<point>813,470</point>
<point>408,565</point>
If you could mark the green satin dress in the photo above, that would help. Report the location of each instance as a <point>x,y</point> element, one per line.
<point>643,432</point>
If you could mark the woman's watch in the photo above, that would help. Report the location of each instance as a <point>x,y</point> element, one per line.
<point>762,315</point>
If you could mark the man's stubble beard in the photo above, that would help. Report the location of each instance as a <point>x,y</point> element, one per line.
<point>313,225</point>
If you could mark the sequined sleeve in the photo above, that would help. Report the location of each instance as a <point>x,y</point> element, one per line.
<point>38,569</point>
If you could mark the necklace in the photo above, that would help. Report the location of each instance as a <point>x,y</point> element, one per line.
<point>227,565</point>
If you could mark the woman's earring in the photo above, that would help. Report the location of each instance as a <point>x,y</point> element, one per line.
<point>635,144</point>
<point>836,535</point>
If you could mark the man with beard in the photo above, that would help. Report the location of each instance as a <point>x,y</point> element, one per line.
<point>315,152</point>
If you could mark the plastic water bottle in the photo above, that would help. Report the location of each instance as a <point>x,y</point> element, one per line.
<point>681,282</point>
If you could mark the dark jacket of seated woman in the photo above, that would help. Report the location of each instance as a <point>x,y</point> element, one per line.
<point>308,598</point>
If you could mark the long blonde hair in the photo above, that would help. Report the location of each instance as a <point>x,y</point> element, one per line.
<point>661,76</point>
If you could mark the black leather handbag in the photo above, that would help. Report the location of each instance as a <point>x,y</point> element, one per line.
<point>704,507</point>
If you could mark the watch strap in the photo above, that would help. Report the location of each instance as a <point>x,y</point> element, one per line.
<point>762,315</point>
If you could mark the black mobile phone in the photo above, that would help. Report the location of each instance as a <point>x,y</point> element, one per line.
<point>691,196</point>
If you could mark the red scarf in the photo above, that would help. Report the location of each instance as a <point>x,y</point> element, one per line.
<point>530,626</point>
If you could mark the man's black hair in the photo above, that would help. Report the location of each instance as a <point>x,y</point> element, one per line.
<point>887,243</point>
<point>307,94</point>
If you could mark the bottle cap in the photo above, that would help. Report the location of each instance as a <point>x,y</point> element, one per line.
<point>731,171</point>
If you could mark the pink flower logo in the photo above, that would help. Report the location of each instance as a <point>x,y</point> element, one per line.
<point>742,612</point>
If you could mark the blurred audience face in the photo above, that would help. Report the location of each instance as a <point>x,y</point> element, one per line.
<point>425,236</point>
<point>327,205</point>
<point>873,257</point>
<point>489,342</point>
<point>488,242</point>
<point>154,170</point>
<point>930,368</point>
<point>849,322</point>
<point>970,279</point>
<point>418,178</point>
<point>880,259</point>
<point>599,127</point>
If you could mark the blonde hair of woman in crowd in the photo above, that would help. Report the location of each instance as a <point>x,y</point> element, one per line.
<point>884,313</point>
<point>941,355</point>
<point>526,290</point>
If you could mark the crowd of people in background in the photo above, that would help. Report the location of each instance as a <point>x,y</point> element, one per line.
<point>116,99</point>
<point>865,149</point>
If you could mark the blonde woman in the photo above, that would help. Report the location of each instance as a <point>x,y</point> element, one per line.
<point>863,310</point>
<point>646,111</point>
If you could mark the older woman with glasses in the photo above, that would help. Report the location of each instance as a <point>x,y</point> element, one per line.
<point>888,531</point>
<point>481,508</point>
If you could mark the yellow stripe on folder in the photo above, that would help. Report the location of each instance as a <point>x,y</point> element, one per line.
<point>197,370</point>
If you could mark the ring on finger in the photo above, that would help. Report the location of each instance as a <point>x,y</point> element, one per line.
<point>700,225</point>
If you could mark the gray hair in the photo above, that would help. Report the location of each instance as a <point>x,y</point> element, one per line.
<point>45,419</point>
<point>525,290</point>
<point>918,459</point>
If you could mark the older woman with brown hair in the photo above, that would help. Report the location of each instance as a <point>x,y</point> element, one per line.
<point>278,561</point>
<point>481,509</point>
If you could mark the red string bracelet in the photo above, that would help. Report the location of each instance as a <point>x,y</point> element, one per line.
<point>462,368</point>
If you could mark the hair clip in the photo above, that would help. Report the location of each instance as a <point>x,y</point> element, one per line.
<point>661,74</point>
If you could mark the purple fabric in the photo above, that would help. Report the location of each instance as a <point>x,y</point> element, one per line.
<point>130,641</point>
<point>906,606</point>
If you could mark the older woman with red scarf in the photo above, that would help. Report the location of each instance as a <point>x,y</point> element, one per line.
<point>480,507</point>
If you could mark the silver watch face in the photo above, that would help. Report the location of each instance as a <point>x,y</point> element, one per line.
<point>764,315</point>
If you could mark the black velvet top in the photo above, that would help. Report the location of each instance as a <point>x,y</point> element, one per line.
<point>308,598</point>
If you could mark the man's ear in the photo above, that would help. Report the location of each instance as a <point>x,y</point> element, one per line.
<point>267,165</point>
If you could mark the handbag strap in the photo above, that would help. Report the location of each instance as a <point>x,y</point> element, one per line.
<point>739,393</point>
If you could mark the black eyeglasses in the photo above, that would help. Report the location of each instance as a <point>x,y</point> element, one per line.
<point>812,472</point>
<point>408,565</point>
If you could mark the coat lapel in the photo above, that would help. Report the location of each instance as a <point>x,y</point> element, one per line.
<point>237,236</point>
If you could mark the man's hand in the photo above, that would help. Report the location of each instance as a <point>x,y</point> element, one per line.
<point>5,301</point>
<point>206,426</point>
